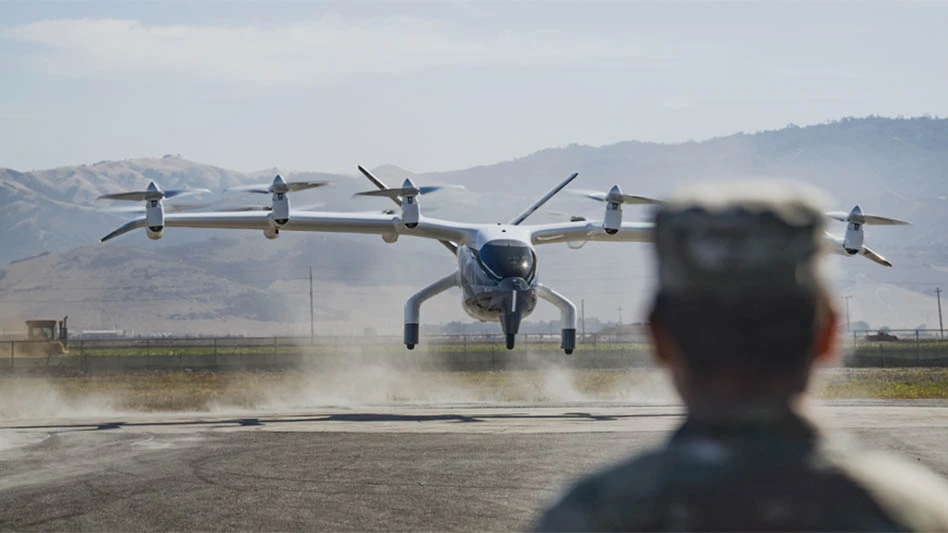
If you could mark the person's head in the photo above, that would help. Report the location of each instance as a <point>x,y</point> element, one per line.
<point>742,311</point>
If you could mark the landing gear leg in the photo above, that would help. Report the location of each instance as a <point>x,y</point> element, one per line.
<point>413,306</point>
<point>568,314</point>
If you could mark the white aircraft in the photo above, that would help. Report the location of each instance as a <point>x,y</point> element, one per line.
<point>497,263</point>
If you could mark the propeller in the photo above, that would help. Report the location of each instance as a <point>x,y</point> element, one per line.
<point>139,209</point>
<point>561,215</point>
<point>866,252</point>
<point>279,185</point>
<point>152,192</point>
<point>856,216</point>
<point>615,195</point>
<point>408,189</point>
<point>308,207</point>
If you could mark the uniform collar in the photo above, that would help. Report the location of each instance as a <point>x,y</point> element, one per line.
<point>777,420</point>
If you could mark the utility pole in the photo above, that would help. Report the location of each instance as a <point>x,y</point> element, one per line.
<point>848,323</point>
<point>620,316</point>
<point>312,319</point>
<point>941,326</point>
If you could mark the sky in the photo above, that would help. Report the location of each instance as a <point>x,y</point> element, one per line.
<point>442,85</point>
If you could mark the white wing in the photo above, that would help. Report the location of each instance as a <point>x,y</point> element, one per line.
<point>380,224</point>
<point>590,230</point>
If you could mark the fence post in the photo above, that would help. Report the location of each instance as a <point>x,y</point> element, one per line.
<point>82,356</point>
<point>12,350</point>
<point>147,347</point>
<point>917,354</point>
<point>881,356</point>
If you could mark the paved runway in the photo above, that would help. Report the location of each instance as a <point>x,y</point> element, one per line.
<point>462,467</point>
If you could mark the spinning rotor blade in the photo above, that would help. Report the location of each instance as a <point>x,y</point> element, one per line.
<point>389,193</point>
<point>409,191</point>
<point>278,185</point>
<point>428,189</point>
<point>307,207</point>
<point>869,254</point>
<point>139,196</point>
<point>296,186</point>
<point>869,220</point>
<point>630,199</point>
<point>168,208</point>
<point>560,215</point>
<point>261,189</point>
<point>136,196</point>
<point>177,193</point>
<point>884,221</point>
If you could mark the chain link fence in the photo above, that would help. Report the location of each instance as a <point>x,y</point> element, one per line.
<point>890,348</point>
<point>896,348</point>
<point>474,352</point>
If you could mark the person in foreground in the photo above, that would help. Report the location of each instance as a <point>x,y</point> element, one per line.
<point>741,317</point>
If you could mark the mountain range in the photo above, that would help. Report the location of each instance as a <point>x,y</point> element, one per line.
<point>202,281</point>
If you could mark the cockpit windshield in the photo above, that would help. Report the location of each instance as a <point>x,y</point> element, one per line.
<point>507,259</point>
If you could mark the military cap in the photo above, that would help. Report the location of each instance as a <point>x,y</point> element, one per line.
<point>727,239</point>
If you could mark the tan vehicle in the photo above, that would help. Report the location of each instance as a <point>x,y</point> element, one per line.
<point>44,338</point>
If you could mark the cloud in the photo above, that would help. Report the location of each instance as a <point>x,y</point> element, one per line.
<point>320,51</point>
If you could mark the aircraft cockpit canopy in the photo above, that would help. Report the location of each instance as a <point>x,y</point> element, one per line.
<point>505,258</point>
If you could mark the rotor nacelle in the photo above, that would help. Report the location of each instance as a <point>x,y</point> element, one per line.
<point>154,212</point>
<point>280,204</point>
<point>855,236</point>
<point>612,220</point>
<point>411,210</point>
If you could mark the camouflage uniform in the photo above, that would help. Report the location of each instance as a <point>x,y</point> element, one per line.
<point>765,471</point>
<point>756,466</point>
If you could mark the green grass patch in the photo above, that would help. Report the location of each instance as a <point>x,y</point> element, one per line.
<point>885,383</point>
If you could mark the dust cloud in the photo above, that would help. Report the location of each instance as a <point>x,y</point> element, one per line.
<point>343,379</point>
<point>423,379</point>
<point>41,398</point>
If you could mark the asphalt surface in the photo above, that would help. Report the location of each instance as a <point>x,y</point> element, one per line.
<point>379,468</point>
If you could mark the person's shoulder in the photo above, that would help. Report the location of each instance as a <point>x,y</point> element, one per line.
<point>910,493</point>
<point>607,496</point>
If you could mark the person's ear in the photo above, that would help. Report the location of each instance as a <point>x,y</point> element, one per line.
<point>824,343</point>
